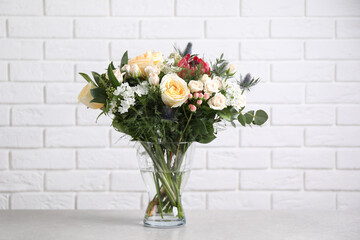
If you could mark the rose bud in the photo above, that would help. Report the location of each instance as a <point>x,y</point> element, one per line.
<point>190,96</point>
<point>196,95</point>
<point>199,102</point>
<point>206,96</point>
<point>192,107</point>
<point>201,95</point>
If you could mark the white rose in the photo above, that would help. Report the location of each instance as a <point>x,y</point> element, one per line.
<point>195,86</point>
<point>232,68</point>
<point>154,79</point>
<point>204,78</point>
<point>212,86</point>
<point>152,69</point>
<point>135,70</point>
<point>174,90</point>
<point>217,102</point>
<point>118,75</point>
<point>126,68</point>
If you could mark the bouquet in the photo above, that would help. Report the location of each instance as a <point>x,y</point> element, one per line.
<point>168,104</point>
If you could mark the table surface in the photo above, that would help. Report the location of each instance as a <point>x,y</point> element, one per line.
<point>124,225</point>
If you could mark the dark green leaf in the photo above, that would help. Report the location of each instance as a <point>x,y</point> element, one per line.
<point>114,82</point>
<point>99,95</point>
<point>260,117</point>
<point>249,116</point>
<point>96,77</point>
<point>242,119</point>
<point>225,114</point>
<point>124,59</point>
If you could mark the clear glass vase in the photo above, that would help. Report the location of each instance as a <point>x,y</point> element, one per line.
<point>165,168</point>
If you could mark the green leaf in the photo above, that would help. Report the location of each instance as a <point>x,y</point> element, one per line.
<point>208,138</point>
<point>99,95</point>
<point>260,117</point>
<point>225,114</point>
<point>114,82</point>
<point>124,59</point>
<point>249,116</point>
<point>87,78</point>
<point>242,119</point>
<point>96,77</point>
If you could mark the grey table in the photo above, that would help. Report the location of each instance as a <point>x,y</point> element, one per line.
<point>124,225</point>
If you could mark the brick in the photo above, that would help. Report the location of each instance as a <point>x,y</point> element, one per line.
<point>302,72</point>
<point>258,70</point>
<point>20,49</point>
<point>128,181</point>
<point>348,159</point>
<point>201,180</point>
<point>43,159</point>
<point>348,28</point>
<point>20,137</point>
<point>4,160</point>
<point>348,115</point>
<point>43,115</point>
<point>2,28</point>
<point>4,201</point>
<point>239,200</point>
<point>348,71</point>
<point>21,93</point>
<point>237,28</point>
<point>157,8</point>
<point>78,7</point>
<point>107,159</point>
<point>172,28</point>
<point>63,93</point>
<point>333,93</point>
<point>268,180</point>
<point>21,7</point>
<point>330,136</point>
<point>40,27</point>
<point>227,137</point>
<point>302,28</point>
<point>4,116</point>
<point>193,200</point>
<point>45,71</point>
<point>76,137</point>
<point>329,49</point>
<point>87,117</point>
<point>280,93</point>
<point>238,158</point>
<point>209,8</point>
<point>348,201</point>
<point>88,67</point>
<point>3,71</point>
<point>271,50</point>
<point>332,180</point>
<point>304,201</point>
<point>303,158</point>
<point>21,181</point>
<point>76,50</point>
<point>94,28</point>
<point>122,201</point>
<point>271,137</point>
<point>333,8</point>
<point>120,140</point>
<point>303,115</point>
<point>273,8</point>
<point>42,201</point>
<point>77,181</point>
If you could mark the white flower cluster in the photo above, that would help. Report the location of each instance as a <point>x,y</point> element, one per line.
<point>128,95</point>
<point>233,95</point>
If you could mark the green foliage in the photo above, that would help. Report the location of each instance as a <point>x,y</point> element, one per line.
<point>260,117</point>
<point>114,82</point>
<point>87,78</point>
<point>124,59</point>
<point>99,95</point>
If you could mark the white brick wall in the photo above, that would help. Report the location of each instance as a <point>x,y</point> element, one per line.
<point>307,52</point>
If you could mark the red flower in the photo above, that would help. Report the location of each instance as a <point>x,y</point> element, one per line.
<point>193,64</point>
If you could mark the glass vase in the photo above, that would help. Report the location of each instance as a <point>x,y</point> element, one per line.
<point>165,169</point>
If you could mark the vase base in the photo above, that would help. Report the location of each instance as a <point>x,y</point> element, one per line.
<point>158,222</point>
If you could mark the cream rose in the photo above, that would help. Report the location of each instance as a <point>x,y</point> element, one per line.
<point>149,58</point>
<point>204,78</point>
<point>174,90</point>
<point>217,102</point>
<point>195,86</point>
<point>212,86</point>
<point>85,97</point>
<point>118,75</point>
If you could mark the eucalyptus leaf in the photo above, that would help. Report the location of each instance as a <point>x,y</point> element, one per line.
<point>260,117</point>
<point>242,119</point>
<point>249,116</point>
<point>225,114</point>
